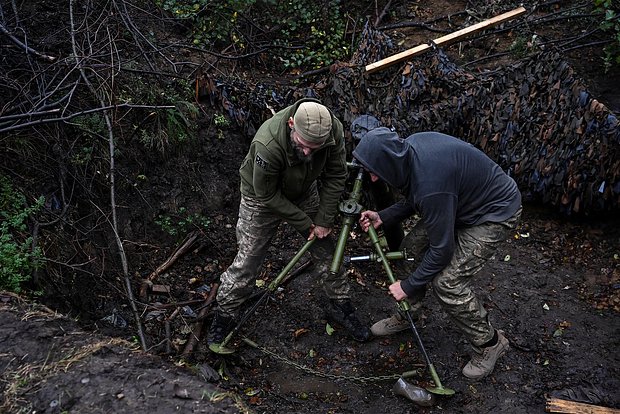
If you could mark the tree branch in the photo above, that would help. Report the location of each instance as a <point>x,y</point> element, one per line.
<point>75,115</point>
<point>24,46</point>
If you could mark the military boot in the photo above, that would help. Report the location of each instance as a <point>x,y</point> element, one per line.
<point>220,327</point>
<point>342,312</point>
<point>483,360</point>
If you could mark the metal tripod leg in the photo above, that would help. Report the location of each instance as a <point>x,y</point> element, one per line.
<point>404,306</point>
<point>221,348</point>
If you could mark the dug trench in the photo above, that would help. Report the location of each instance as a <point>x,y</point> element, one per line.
<point>552,287</point>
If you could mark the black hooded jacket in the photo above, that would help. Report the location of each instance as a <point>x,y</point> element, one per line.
<point>449,182</point>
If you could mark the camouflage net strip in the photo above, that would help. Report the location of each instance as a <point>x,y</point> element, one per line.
<point>535,118</point>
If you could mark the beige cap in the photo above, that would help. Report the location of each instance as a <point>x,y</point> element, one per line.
<point>313,122</point>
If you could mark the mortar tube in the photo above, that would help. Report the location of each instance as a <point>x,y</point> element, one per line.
<point>347,225</point>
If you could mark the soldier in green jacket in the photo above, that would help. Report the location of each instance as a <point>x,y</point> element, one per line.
<point>298,147</point>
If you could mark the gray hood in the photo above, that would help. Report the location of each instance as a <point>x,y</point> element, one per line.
<point>387,156</point>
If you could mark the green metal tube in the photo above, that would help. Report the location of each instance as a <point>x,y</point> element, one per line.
<point>272,286</point>
<point>374,257</point>
<point>374,238</point>
<point>275,282</point>
<point>347,223</point>
<point>404,305</point>
<point>340,245</point>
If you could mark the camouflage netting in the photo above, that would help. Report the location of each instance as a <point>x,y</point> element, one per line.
<point>535,117</point>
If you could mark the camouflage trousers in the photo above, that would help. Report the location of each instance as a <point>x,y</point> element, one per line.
<point>452,286</point>
<point>256,227</point>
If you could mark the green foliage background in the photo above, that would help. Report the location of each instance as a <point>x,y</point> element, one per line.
<point>305,34</point>
<point>611,25</point>
<point>16,258</point>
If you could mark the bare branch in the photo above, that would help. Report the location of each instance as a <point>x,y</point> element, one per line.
<point>27,48</point>
<point>74,115</point>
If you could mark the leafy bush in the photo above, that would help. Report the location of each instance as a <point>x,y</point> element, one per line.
<point>212,21</point>
<point>610,24</point>
<point>16,258</point>
<point>319,27</point>
<point>170,127</point>
<point>182,222</point>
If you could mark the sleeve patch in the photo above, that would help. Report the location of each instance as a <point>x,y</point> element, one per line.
<point>261,162</point>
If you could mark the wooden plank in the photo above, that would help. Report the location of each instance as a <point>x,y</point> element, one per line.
<point>445,40</point>
<point>160,289</point>
<point>556,405</point>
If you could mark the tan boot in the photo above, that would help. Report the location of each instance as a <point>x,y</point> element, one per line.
<point>391,325</point>
<point>483,360</point>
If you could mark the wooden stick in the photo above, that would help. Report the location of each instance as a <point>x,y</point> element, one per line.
<point>556,405</point>
<point>185,246</point>
<point>444,40</point>
<point>27,48</point>
<point>194,336</point>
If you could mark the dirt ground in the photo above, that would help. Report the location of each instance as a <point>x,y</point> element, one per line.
<point>553,287</point>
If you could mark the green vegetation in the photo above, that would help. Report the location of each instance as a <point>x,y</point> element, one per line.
<point>221,121</point>
<point>161,129</point>
<point>182,222</point>
<point>611,25</point>
<point>307,34</point>
<point>170,127</point>
<point>321,29</point>
<point>16,258</point>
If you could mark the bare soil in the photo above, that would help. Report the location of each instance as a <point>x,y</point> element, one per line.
<point>553,287</point>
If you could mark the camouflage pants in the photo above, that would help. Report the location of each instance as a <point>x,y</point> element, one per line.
<point>256,227</point>
<point>452,287</point>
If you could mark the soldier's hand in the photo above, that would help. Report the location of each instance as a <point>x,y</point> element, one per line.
<point>369,217</point>
<point>397,291</point>
<point>319,231</point>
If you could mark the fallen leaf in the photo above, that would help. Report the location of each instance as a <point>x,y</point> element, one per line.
<point>300,332</point>
<point>329,329</point>
<point>252,391</point>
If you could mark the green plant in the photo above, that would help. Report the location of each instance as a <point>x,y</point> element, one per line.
<point>16,258</point>
<point>212,21</point>
<point>161,129</point>
<point>307,34</point>
<point>171,127</point>
<point>221,121</point>
<point>326,26</point>
<point>181,222</point>
<point>91,125</point>
<point>611,25</point>
<point>521,46</point>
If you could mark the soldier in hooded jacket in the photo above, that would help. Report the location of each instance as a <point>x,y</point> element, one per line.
<point>467,205</point>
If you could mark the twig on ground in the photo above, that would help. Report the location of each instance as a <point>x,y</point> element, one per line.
<point>194,336</point>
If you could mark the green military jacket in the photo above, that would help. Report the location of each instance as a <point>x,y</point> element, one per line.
<point>272,174</point>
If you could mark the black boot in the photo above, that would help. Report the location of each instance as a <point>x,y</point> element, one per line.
<point>220,327</point>
<point>342,312</point>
